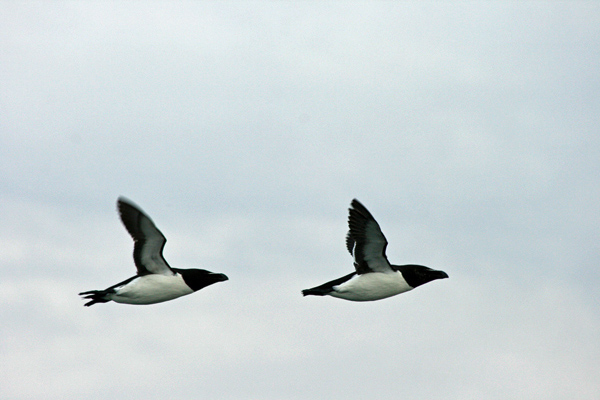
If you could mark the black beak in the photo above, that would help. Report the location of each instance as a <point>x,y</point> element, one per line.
<point>440,275</point>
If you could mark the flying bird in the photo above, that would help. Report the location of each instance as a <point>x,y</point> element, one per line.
<point>375,278</point>
<point>155,280</point>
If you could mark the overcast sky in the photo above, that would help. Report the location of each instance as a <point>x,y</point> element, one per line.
<point>244,129</point>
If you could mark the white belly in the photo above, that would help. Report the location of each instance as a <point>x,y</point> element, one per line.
<point>371,286</point>
<point>150,289</point>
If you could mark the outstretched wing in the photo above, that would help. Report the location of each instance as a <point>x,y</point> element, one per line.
<point>365,241</point>
<point>148,240</point>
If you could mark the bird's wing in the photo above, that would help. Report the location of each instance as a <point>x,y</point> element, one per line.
<point>350,243</point>
<point>365,241</point>
<point>148,240</point>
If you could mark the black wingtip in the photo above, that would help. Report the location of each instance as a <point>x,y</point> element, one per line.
<point>124,200</point>
<point>123,203</point>
<point>357,206</point>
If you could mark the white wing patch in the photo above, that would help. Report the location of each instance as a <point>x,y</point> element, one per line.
<point>151,251</point>
<point>148,240</point>
<point>365,241</point>
<point>373,248</point>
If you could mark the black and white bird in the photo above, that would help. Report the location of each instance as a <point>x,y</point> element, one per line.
<point>155,281</point>
<point>375,278</point>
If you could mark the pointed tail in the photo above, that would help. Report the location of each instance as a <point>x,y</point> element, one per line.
<point>96,296</point>
<point>326,288</point>
<point>316,291</point>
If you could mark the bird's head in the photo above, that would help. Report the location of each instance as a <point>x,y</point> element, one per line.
<point>197,279</point>
<point>417,275</point>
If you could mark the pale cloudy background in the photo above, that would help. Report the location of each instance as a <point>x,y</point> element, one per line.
<point>244,129</point>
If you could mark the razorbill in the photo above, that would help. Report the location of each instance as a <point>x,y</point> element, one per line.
<point>375,278</point>
<point>155,281</point>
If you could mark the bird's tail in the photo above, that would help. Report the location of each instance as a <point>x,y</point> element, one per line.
<point>326,288</point>
<point>317,291</point>
<point>96,296</point>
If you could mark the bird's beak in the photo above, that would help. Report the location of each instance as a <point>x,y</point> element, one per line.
<point>221,277</point>
<point>440,275</point>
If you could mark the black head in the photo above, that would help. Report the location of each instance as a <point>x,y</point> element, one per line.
<point>417,275</point>
<point>197,279</point>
